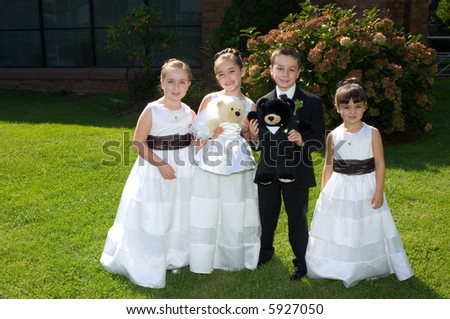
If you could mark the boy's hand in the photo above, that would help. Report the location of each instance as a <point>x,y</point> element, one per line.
<point>296,137</point>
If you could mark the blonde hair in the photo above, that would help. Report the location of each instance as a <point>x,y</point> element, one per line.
<point>228,54</point>
<point>175,64</point>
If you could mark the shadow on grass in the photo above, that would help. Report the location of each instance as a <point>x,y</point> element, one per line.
<point>431,150</point>
<point>86,110</point>
<point>272,282</point>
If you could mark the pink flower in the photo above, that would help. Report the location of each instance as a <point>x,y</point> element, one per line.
<point>265,73</point>
<point>355,73</point>
<point>324,66</point>
<point>344,59</point>
<point>314,55</point>
<point>332,54</point>
<point>253,70</point>
<point>343,22</point>
<point>385,24</point>
<point>345,41</point>
<point>252,44</point>
<point>289,37</point>
<point>321,45</point>
<point>397,69</point>
<point>379,38</point>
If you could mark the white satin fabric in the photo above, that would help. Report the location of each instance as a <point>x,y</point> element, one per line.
<point>225,227</point>
<point>349,240</point>
<point>150,231</point>
<point>229,153</point>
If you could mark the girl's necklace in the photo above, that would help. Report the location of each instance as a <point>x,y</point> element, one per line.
<point>175,113</point>
<point>351,133</point>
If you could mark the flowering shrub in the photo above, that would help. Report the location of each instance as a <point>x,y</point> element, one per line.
<point>397,71</point>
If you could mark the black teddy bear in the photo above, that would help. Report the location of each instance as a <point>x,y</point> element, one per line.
<point>275,119</point>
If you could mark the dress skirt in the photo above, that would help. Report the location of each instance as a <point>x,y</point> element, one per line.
<point>150,231</point>
<point>225,226</point>
<point>349,240</point>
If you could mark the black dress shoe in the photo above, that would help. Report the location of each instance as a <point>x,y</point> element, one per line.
<point>262,262</point>
<point>298,274</point>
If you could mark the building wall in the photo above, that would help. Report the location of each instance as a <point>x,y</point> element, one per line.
<point>79,80</point>
<point>413,14</point>
<point>212,16</point>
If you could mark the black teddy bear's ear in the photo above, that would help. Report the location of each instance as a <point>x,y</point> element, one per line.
<point>252,115</point>
<point>261,102</point>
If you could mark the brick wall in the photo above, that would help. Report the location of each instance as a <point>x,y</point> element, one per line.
<point>418,17</point>
<point>74,80</point>
<point>212,15</point>
<point>69,86</point>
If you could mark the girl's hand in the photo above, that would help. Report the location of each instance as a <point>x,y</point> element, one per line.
<point>244,126</point>
<point>217,132</point>
<point>199,144</point>
<point>167,171</point>
<point>254,129</point>
<point>296,137</point>
<point>377,200</point>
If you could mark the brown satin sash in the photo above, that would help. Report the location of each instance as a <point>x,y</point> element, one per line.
<point>354,167</point>
<point>168,142</point>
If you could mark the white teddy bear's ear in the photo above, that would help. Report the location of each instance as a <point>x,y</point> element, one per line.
<point>220,103</point>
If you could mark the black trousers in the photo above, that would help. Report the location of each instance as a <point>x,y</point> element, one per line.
<point>296,205</point>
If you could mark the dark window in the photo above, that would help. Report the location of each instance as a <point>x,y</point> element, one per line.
<point>20,48</point>
<point>70,33</point>
<point>19,14</point>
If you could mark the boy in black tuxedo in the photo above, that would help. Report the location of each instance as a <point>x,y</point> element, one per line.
<point>285,70</point>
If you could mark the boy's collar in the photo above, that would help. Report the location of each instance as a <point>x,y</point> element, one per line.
<point>290,92</point>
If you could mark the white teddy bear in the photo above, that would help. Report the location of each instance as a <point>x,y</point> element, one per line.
<point>228,153</point>
<point>225,109</point>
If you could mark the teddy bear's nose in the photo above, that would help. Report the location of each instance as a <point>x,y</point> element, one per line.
<point>237,113</point>
<point>270,118</point>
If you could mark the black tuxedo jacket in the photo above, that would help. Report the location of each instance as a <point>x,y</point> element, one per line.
<point>311,114</point>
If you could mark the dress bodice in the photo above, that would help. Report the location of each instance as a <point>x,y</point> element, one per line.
<point>356,145</point>
<point>169,122</point>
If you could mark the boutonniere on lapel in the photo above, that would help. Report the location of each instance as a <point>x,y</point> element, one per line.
<point>298,105</point>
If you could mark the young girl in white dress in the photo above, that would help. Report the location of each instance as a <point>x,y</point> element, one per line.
<point>150,231</point>
<point>225,227</point>
<point>353,235</point>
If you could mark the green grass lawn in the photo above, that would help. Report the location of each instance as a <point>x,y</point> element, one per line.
<point>60,191</point>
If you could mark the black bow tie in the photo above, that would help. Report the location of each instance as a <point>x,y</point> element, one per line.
<point>283,96</point>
